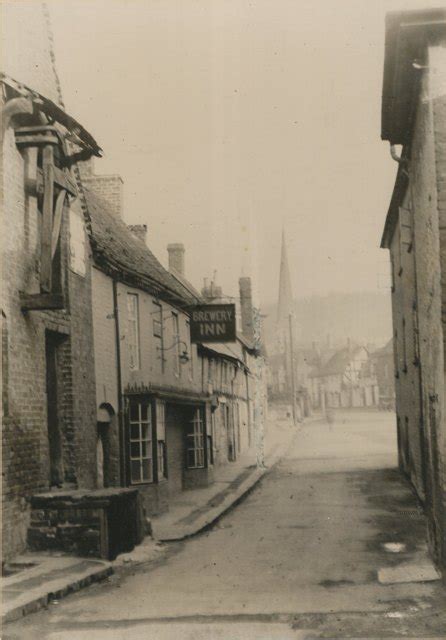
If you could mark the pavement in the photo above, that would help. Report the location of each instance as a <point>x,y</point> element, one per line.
<point>190,512</point>
<point>300,557</point>
<point>42,579</point>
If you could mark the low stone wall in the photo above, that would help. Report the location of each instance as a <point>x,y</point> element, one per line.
<point>101,523</point>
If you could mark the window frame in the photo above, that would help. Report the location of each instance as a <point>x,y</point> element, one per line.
<point>160,417</point>
<point>138,439</point>
<point>176,343</point>
<point>133,320</point>
<point>159,336</point>
<point>196,435</point>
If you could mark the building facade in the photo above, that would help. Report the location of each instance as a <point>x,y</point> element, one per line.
<point>346,380</point>
<point>168,410</point>
<point>414,118</point>
<point>47,341</point>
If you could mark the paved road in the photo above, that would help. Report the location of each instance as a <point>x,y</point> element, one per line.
<point>298,558</point>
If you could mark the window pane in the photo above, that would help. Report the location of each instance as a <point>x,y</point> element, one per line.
<point>135,450</point>
<point>134,431</point>
<point>134,412</point>
<point>146,449</point>
<point>144,412</point>
<point>145,432</point>
<point>191,458</point>
<point>147,470</point>
<point>135,471</point>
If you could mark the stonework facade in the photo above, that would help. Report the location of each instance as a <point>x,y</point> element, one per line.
<point>414,234</point>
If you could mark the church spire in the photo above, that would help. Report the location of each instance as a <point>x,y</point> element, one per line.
<point>285,304</point>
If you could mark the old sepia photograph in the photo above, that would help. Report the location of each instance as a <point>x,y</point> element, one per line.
<point>223,314</point>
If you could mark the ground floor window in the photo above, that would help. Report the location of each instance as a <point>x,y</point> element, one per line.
<point>161,438</point>
<point>140,423</point>
<point>195,441</point>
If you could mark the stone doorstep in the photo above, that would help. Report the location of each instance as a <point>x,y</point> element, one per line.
<point>423,571</point>
<point>25,600</point>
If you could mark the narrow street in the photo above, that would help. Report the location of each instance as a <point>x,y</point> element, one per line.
<point>297,558</point>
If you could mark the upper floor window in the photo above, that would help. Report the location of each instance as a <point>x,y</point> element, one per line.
<point>176,342</point>
<point>191,352</point>
<point>210,370</point>
<point>158,331</point>
<point>158,320</point>
<point>133,330</point>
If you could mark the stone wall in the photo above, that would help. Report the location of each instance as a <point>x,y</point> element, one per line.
<point>418,306</point>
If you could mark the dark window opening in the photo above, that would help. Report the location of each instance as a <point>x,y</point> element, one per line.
<point>55,447</point>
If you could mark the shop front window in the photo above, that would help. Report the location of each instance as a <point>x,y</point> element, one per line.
<point>140,427</point>
<point>161,438</point>
<point>195,442</point>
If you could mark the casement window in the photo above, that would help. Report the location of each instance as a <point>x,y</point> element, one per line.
<point>405,223</point>
<point>133,331</point>
<point>161,438</point>
<point>158,332</point>
<point>176,342</point>
<point>210,370</point>
<point>213,436</point>
<point>195,441</point>
<point>140,432</point>
<point>158,320</point>
<point>191,352</point>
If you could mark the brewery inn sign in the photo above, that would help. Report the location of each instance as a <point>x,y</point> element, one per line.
<point>213,323</point>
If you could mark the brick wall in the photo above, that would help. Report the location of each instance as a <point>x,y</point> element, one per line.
<point>109,188</point>
<point>25,450</point>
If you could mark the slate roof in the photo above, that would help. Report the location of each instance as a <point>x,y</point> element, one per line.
<point>118,252</point>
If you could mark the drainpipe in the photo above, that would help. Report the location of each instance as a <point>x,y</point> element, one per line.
<point>122,443</point>
<point>233,413</point>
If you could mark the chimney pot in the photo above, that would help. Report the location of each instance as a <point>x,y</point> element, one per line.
<point>247,311</point>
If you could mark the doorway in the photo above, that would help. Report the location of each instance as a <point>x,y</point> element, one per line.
<point>53,343</point>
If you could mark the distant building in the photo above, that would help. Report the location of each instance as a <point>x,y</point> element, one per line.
<point>346,380</point>
<point>383,364</point>
<point>414,117</point>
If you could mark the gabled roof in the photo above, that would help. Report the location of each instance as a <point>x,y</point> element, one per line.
<point>407,34</point>
<point>339,362</point>
<point>118,252</point>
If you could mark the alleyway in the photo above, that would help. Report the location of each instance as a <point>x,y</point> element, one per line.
<point>298,558</point>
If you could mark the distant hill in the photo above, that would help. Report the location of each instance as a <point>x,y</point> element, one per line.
<point>363,317</point>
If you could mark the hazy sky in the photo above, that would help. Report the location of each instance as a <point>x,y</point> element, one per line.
<point>229,118</point>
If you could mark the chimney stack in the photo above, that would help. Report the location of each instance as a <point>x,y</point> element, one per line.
<point>246,308</point>
<point>139,231</point>
<point>109,188</point>
<point>176,257</point>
